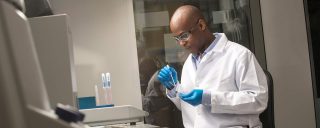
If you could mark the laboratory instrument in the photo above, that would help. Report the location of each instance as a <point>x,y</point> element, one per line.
<point>113,115</point>
<point>24,99</point>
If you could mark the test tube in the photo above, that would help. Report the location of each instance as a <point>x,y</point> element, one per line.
<point>171,77</point>
<point>177,85</point>
<point>103,77</point>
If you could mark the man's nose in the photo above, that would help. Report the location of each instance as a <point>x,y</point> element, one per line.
<point>182,43</point>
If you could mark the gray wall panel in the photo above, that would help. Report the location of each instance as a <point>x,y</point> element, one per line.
<point>288,61</point>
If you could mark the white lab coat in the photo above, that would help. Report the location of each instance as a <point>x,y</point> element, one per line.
<point>237,84</point>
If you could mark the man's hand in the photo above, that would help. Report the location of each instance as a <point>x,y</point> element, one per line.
<point>194,97</point>
<point>168,77</point>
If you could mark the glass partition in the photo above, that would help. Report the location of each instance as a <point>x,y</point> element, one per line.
<point>156,47</point>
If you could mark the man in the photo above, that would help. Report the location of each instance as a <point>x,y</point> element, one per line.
<point>222,84</point>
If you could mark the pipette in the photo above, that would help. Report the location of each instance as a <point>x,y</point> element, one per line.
<point>171,77</point>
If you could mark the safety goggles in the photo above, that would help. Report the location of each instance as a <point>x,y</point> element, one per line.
<point>184,36</point>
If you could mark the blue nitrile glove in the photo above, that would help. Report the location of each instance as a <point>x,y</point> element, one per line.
<point>194,97</point>
<point>164,76</point>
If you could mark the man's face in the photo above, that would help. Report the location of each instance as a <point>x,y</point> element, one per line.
<point>187,35</point>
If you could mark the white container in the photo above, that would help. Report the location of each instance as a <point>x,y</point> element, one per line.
<point>103,95</point>
<point>103,92</point>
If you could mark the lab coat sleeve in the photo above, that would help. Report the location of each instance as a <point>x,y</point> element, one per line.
<point>172,95</point>
<point>252,96</point>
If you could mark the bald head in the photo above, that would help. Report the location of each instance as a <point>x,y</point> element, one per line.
<point>188,20</point>
<point>185,16</point>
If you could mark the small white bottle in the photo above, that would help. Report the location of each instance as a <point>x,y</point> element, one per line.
<point>103,91</point>
<point>108,89</point>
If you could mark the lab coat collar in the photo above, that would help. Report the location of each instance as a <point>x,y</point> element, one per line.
<point>218,48</point>
<point>220,44</point>
<point>212,48</point>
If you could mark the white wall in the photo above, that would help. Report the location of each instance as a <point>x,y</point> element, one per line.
<point>288,61</point>
<point>103,34</point>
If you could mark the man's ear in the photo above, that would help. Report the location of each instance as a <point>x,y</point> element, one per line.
<point>203,24</point>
